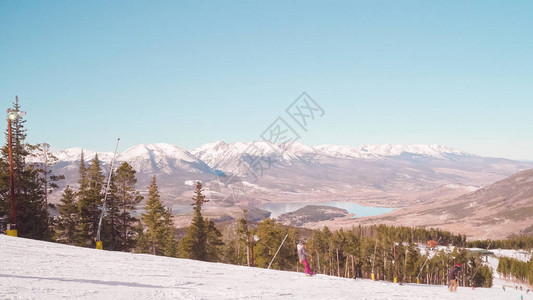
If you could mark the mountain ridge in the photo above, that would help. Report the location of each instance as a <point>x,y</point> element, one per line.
<point>363,151</point>
<point>241,175</point>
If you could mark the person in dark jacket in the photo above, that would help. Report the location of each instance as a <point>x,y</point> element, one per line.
<point>452,277</point>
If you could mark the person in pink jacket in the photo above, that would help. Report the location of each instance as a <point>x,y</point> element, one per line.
<point>302,256</point>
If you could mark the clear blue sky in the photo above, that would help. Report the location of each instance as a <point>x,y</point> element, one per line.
<point>457,73</point>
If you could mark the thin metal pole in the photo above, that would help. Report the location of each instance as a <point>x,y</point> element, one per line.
<point>477,269</point>
<point>13,216</point>
<point>106,191</point>
<point>417,277</point>
<point>46,147</point>
<point>374,259</point>
<point>277,251</point>
<point>422,267</point>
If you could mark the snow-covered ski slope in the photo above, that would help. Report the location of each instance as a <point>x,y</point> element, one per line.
<point>32,269</point>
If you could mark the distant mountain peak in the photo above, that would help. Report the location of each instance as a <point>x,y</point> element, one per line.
<point>74,154</point>
<point>157,150</point>
<point>374,151</point>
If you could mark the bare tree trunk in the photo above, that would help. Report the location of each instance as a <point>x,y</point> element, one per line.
<point>346,269</point>
<point>405,265</point>
<point>384,265</point>
<point>353,267</point>
<point>318,258</point>
<point>252,259</point>
<point>338,264</point>
<point>248,261</point>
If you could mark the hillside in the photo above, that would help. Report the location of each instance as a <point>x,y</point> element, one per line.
<point>42,270</point>
<point>497,211</point>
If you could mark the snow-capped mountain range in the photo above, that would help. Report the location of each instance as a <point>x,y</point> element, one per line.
<point>215,153</point>
<point>286,172</point>
<point>161,158</point>
<point>165,158</point>
<point>219,151</point>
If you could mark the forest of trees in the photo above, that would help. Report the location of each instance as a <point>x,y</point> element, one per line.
<point>521,242</point>
<point>515,270</point>
<point>385,251</point>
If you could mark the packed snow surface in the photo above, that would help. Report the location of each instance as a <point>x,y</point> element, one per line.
<point>32,269</point>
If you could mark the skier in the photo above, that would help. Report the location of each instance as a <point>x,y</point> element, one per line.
<point>452,277</point>
<point>302,256</point>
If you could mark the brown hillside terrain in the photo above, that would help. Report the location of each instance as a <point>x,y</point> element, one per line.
<point>499,210</point>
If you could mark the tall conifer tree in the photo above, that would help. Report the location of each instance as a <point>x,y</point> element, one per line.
<point>214,241</point>
<point>243,241</point>
<point>90,203</point>
<point>31,213</point>
<point>68,217</point>
<point>110,233</point>
<point>194,244</point>
<point>127,198</point>
<point>171,244</point>
<point>48,178</point>
<point>82,174</point>
<point>154,220</point>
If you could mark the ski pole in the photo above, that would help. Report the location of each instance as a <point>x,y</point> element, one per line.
<point>277,251</point>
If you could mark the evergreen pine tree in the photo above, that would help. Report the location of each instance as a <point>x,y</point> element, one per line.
<point>31,213</point>
<point>68,217</point>
<point>193,245</point>
<point>127,198</point>
<point>89,204</point>
<point>213,242</point>
<point>141,243</point>
<point>154,220</point>
<point>82,174</point>
<point>47,160</point>
<point>171,244</point>
<point>270,238</point>
<point>243,242</point>
<point>111,227</point>
<point>271,234</point>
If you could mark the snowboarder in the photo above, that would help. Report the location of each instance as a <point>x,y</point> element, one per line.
<point>452,277</point>
<point>302,256</point>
